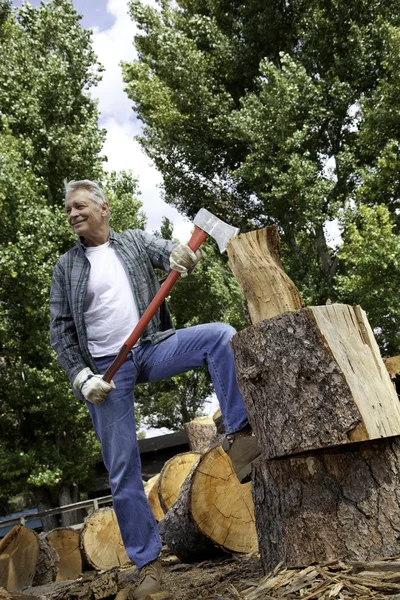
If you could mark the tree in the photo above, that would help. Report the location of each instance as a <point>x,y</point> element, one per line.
<point>48,132</point>
<point>278,112</point>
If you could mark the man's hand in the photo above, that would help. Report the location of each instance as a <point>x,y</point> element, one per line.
<point>92,387</point>
<point>183,259</point>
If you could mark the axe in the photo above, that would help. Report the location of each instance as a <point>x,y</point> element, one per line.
<point>206,224</point>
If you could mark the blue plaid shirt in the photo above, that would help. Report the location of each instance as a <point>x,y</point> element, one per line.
<point>140,252</point>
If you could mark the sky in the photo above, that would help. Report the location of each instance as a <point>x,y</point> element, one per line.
<point>113,33</point>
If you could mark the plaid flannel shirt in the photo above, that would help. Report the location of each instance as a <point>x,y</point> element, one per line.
<point>140,252</point>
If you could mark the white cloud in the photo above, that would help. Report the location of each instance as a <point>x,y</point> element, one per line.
<point>117,117</point>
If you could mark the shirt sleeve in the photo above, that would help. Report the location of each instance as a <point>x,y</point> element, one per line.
<point>63,334</point>
<point>158,250</point>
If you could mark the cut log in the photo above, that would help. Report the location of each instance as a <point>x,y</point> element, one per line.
<point>151,491</point>
<point>213,514</point>
<point>47,562</point>
<point>314,378</point>
<point>200,432</point>
<point>65,541</point>
<point>254,258</point>
<point>335,504</point>
<point>172,476</point>
<point>101,541</point>
<point>26,560</point>
<point>392,365</point>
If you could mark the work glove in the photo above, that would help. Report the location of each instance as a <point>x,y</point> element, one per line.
<point>93,387</point>
<point>183,259</point>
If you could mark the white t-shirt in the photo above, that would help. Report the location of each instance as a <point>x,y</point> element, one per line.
<point>110,309</point>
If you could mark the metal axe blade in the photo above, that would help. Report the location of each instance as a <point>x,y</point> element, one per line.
<point>217,229</point>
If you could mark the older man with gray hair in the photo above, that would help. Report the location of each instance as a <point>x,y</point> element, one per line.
<point>100,289</point>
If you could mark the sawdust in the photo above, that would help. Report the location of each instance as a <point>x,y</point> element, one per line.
<point>236,577</point>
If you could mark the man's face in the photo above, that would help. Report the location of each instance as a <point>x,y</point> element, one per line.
<point>86,218</point>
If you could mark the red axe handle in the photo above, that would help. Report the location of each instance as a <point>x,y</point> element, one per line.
<point>198,237</point>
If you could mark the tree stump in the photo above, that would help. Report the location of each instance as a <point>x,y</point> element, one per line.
<point>213,513</point>
<point>151,491</point>
<point>200,432</point>
<point>314,378</point>
<point>172,476</point>
<point>65,542</point>
<point>26,559</point>
<point>341,503</point>
<point>101,541</point>
<point>254,258</point>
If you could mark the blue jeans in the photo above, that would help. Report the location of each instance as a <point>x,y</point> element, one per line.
<point>114,420</point>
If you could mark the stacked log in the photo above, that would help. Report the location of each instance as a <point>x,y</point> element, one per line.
<point>65,541</point>
<point>26,559</point>
<point>101,541</point>
<point>213,513</point>
<point>201,433</point>
<point>151,491</point>
<point>326,416</point>
<point>172,476</point>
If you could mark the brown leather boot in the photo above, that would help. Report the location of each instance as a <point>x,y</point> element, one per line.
<point>149,581</point>
<point>242,449</point>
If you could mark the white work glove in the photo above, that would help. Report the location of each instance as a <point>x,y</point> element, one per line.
<point>183,259</point>
<point>93,387</point>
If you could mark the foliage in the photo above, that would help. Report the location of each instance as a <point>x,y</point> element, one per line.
<point>371,253</point>
<point>48,131</point>
<point>273,113</point>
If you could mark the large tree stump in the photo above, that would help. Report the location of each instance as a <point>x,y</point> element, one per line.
<point>314,378</point>
<point>254,258</point>
<point>336,504</point>
<point>26,559</point>
<point>101,541</point>
<point>172,476</point>
<point>213,513</point>
<point>65,542</point>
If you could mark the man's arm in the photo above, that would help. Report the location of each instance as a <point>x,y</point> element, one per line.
<point>169,255</point>
<point>63,334</point>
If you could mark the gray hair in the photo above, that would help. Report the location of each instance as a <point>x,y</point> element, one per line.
<point>95,192</point>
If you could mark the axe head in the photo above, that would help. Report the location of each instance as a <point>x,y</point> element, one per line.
<point>217,229</point>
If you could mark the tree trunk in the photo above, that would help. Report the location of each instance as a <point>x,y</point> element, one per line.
<point>65,542</point>
<point>26,560</point>
<point>336,504</point>
<point>313,379</point>
<point>101,542</point>
<point>213,513</point>
<point>200,432</point>
<point>69,494</point>
<point>44,502</point>
<point>172,476</point>
<point>254,258</point>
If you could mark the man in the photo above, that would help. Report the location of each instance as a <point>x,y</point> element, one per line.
<point>100,289</point>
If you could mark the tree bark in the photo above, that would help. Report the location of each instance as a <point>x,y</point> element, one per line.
<point>314,378</point>
<point>69,494</point>
<point>341,503</point>
<point>101,542</point>
<point>200,432</point>
<point>213,513</point>
<point>254,258</point>
<point>65,542</point>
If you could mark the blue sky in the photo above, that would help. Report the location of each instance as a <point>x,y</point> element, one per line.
<point>113,33</point>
